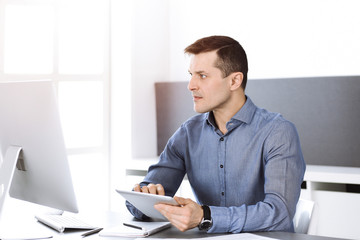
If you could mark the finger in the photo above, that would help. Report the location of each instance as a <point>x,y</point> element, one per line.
<point>185,217</point>
<point>160,189</point>
<point>137,188</point>
<point>178,216</point>
<point>168,211</point>
<point>170,217</point>
<point>152,188</point>
<point>145,189</point>
<point>165,210</point>
<point>182,201</point>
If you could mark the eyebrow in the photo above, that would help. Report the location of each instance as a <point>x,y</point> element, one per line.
<point>198,72</point>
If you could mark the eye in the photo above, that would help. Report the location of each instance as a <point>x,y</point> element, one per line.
<point>202,76</point>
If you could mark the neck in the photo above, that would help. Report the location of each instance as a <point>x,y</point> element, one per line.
<point>223,115</point>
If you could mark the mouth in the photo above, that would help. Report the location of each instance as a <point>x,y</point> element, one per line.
<point>196,98</point>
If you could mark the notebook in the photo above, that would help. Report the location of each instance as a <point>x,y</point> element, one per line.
<point>134,229</point>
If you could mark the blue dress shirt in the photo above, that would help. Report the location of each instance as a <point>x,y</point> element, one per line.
<point>250,177</point>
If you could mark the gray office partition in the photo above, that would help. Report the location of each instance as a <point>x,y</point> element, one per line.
<point>173,106</point>
<point>325,110</point>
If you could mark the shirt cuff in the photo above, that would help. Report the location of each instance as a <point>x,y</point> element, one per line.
<point>227,219</point>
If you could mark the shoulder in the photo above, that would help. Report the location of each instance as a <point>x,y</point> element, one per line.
<point>273,127</point>
<point>276,129</point>
<point>194,122</point>
<point>263,117</point>
<point>191,125</point>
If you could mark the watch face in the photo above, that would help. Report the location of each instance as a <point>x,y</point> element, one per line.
<point>205,225</point>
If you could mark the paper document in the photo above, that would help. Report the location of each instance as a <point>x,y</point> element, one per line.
<point>134,229</point>
<point>25,237</point>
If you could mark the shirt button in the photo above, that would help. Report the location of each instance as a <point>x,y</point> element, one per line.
<point>221,166</point>
<point>221,139</point>
<point>222,193</point>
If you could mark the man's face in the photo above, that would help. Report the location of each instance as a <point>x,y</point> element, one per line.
<point>210,90</point>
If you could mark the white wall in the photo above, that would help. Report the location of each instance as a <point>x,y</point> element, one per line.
<point>150,59</point>
<point>282,39</point>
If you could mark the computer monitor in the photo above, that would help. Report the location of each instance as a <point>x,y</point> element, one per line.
<point>33,159</point>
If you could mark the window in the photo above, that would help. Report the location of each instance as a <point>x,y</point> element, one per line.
<point>68,42</point>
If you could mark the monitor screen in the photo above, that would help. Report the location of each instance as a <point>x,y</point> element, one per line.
<point>33,159</point>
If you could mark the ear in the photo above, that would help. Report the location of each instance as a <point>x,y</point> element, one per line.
<point>236,80</point>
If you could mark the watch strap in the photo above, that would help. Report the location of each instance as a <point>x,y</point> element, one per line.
<point>207,212</point>
<point>206,222</point>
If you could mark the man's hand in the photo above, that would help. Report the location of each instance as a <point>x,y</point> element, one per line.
<point>150,188</point>
<point>184,217</point>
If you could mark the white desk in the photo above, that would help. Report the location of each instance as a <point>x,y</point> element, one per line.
<point>112,219</point>
<point>325,185</point>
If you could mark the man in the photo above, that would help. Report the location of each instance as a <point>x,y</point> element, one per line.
<point>244,164</point>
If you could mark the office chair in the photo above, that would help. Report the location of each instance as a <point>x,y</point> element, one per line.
<point>303,214</point>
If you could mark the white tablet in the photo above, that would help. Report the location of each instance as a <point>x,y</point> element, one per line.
<point>145,202</point>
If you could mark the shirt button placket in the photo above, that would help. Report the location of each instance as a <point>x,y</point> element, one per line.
<point>222,169</point>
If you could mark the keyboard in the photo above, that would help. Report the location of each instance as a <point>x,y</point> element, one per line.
<point>62,223</point>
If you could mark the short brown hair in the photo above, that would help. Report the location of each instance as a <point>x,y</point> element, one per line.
<point>231,55</point>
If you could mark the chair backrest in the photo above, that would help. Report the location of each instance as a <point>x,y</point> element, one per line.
<point>303,214</point>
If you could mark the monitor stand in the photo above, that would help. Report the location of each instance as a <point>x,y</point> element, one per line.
<point>7,168</point>
<point>13,159</point>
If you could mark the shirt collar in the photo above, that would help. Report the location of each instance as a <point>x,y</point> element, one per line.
<point>245,114</point>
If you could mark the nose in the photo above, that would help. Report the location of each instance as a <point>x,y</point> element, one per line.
<point>192,85</point>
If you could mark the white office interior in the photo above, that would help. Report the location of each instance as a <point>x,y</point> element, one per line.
<point>105,56</point>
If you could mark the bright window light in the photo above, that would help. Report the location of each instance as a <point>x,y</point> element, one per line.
<point>89,173</point>
<point>81,108</point>
<point>28,44</point>
<point>81,37</point>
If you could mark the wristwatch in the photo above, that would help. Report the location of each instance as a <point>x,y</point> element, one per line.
<point>206,222</point>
